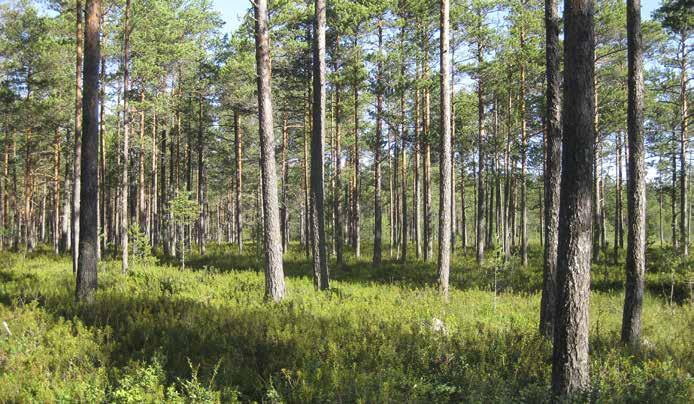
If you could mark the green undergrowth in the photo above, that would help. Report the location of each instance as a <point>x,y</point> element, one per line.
<point>380,335</point>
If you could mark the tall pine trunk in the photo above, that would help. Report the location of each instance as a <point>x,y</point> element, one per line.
<point>570,363</point>
<point>75,209</point>
<point>378,213</point>
<point>125,159</point>
<point>238,184</point>
<point>636,184</point>
<point>274,272</point>
<point>445,154</point>
<point>552,176</point>
<point>89,238</point>
<point>320,264</point>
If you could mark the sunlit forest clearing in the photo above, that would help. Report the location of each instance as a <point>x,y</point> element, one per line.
<point>297,201</point>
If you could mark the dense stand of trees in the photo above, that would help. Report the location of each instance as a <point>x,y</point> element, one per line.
<point>126,124</point>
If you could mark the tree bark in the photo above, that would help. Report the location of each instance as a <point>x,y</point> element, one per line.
<point>320,265</point>
<point>378,213</point>
<point>524,151</point>
<point>552,175</point>
<point>75,209</point>
<point>636,184</point>
<point>202,179</point>
<point>274,272</point>
<point>284,212</point>
<point>445,154</point>
<point>238,185</point>
<point>89,193</point>
<point>125,160</point>
<point>684,134</point>
<point>481,138</point>
<point>570,364</point>
<point>141,204</point>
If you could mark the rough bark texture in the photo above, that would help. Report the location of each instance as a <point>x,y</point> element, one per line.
<point>125,161</point>
<point>524,155</point>
<point>445,154</point>
<point>320,264</point>
<point>480,161</point>
<point>636,185</point>
<point>75,212</point>
<point>378,211</point>
<point>87,265</point>
<point>274,273</point>
<point>684,134</point>
<point>570,365</point>
<point>238,184</point>
<point>552,175</point>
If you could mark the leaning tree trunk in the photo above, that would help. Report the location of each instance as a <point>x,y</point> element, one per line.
<point>445,155</point>
<point>89,195</point>
<point>552,175</point>
<point>274,273</point>
<point>320,264</point>
<point>636,185</point>
<point>570,364</point>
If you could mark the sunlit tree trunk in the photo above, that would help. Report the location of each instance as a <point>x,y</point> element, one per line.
<point>636,184</point>
<point>378,211</point>
<point>125,159</point>
<point>481,139</point>
<point>524,150</point>
<point>684,135</point>
<point>75,213</point>
<point>570,363</point>
<point>445,154</point>
<point>274,272</point>
<point>238,184</point>
<point>320,265</point>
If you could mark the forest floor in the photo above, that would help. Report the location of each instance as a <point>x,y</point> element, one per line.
<point>205,334</point>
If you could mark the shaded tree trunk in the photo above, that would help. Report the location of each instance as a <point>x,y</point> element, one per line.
<point>552,175</point>
<point>89,193</point>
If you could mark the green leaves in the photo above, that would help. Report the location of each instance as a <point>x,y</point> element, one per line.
<point>184,209</point>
